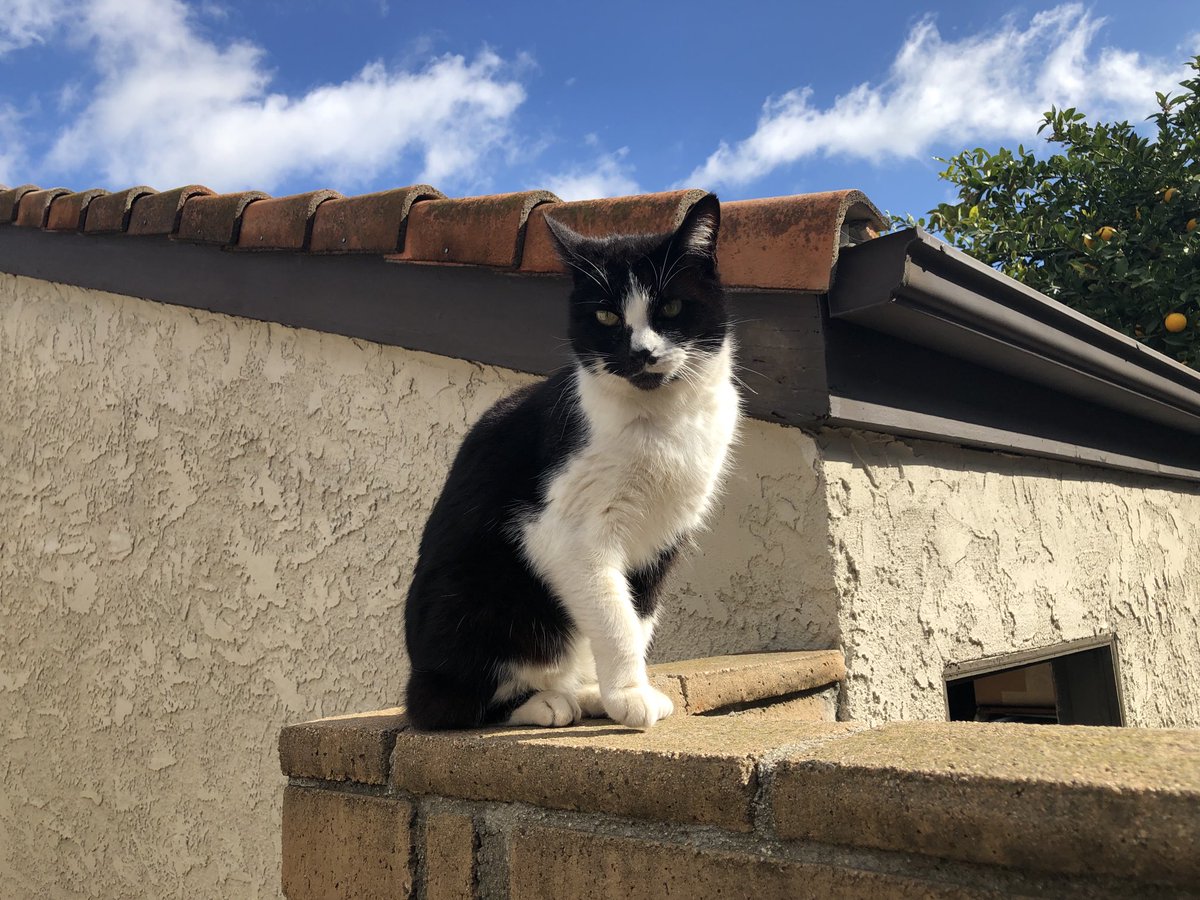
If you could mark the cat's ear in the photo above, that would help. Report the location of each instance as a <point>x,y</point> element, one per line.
<point>698,232</point>
<point>567,241</point>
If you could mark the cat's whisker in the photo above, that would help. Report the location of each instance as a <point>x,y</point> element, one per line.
<point>689,374</point>
<point>657,272</point>
<point>741,368</point>
<point>603,274</point>
<point>602,285</point>
<point>676,271</point>
<point>742,382</point>
<point>666,256</point>
<point>671,272</point>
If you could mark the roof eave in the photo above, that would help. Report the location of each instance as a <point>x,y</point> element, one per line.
<point>914,287</point>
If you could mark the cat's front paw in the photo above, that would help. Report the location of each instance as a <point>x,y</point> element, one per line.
<point>638,706</point>
<point>550,709</point>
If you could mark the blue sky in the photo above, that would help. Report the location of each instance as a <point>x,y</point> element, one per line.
<point>749,100</point>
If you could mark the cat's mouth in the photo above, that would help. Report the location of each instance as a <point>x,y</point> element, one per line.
<point>647,381</point>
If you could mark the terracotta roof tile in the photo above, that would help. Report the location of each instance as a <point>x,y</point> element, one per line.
<point>637,214</point>
<point>33,209</point>
<point>788,243</point>
<point>67,213</point>
<point>9,200</point>
<point>368,222</point>
<point>216,218</point>
<point>110,213</point>
<point>484,231</point>
<point>284,223</point>
<point>778,243</point>
<point>160,213</point>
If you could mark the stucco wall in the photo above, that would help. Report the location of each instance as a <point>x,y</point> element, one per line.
<point>944,554</point>
<point>206,531</point>
<point>207,526</point>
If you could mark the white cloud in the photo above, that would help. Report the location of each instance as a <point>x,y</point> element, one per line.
<point>172,107</point>
<point>608,175</point>
<point>26,22</point>
<point>12,150</point>
<point>986,87</point>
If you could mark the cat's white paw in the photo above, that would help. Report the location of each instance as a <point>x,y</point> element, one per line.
<point>638,706</point>
<point>590,702</point>
<point>550,709</point>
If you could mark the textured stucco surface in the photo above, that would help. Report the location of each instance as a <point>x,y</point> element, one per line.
<point>761,578</point>
<point>945,554</point>
<point>207,526</point>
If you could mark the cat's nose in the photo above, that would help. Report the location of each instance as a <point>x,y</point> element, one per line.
<point>642,357</point>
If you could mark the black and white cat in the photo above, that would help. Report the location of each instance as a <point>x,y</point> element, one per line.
<point>536,589</point>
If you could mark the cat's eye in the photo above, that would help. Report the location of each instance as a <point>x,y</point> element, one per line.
<point>671,309</point>
<point>607,317</point>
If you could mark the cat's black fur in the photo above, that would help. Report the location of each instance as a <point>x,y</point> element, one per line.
<point>475,604</point>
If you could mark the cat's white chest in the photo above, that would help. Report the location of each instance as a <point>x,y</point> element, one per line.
<point>647,474</point>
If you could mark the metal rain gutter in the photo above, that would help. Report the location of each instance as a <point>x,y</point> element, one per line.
<point>914,287</point>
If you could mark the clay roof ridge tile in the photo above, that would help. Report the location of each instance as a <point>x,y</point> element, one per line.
<point>376,222</point>
<point>482,231</point>
<point>10,200</point>
<point>69,211</point>
<point>634,214</point>
<point>216,218</point>
<point>774,243</point>
<point>110,213</point>
<point>282,223</point>
<point>33,208</point>
<point>790,243</point>
<point>161,213</point>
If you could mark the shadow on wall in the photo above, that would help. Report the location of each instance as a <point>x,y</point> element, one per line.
<point>761,577</point>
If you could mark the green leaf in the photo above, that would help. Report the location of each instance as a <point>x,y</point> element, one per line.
<point>1028,215</point>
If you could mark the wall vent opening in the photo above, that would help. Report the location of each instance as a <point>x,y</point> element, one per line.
<point>1074,683</point>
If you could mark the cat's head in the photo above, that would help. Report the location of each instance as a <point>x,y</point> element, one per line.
<point>646,308</point>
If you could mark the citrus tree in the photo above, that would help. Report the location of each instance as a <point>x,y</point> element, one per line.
<point>1107,226</point>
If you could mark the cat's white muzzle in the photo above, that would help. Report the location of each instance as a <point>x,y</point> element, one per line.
<point>668,362</point>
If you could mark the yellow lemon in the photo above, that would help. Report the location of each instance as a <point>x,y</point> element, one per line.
<point>1191,225</point>
<point>1087,241</point>
<point>1106,233</point>
<point>1175,322</point>
<point>1168,194</point>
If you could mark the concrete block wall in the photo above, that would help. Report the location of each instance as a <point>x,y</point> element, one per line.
<point>736,806</point>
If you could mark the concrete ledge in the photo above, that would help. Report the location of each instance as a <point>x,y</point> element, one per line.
<point>1067,799</point>
<point>354,748</point>
<point>716,682</point>
<point>820,705</point>
<point>796,686</point>
<point>687,769</point>
<point>747,804</point>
